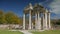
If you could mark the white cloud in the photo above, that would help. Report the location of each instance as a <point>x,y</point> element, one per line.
<point>55,5</point>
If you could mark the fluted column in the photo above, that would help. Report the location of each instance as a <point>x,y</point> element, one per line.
<point>46,25</point>
<point>43,20</point>
<point>36,21</point>
<point>24,21</point>
<point>30,19</point>
<point>32,25</point>
<point>39,22</point>
<point>49,20</point>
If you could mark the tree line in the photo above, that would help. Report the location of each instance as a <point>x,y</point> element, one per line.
<point>9,18</point>
<point>55,22</point>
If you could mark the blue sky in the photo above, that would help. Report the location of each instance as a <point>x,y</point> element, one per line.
<point>55,5</point>
<point>17,6</point>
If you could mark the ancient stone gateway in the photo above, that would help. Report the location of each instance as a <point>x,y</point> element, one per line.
<point>41,15</point>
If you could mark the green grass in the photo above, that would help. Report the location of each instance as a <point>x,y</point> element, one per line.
<point>9,32</point>
<point>34,32</point>
<point>47,32</point>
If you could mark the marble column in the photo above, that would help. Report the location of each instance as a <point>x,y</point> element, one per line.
<point>46,25</point>
<point>49,20</point>
<point>39,22</point>
<point>24,21</point>
<point>32,25</point>
<point>35,20</point>
<point>43,20</point>
<point>30,20</point>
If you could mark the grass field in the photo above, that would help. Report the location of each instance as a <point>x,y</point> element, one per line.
<point>9,32</point>
<point>34,32</point>
<point>47,32</point>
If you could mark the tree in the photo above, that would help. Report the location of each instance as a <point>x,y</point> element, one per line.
<point>12,18</point>
<point>2,17</point>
